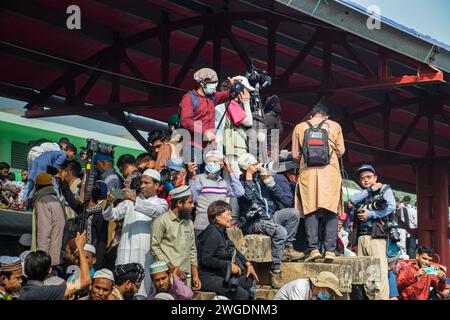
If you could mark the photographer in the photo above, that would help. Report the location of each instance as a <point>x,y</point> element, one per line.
<point>210,186</point>
<point>222,268</point>
<point>197,110</point>
<point>235,121</point>
<point>373,205</point>
<point>416,280</point>
<point>265,209</point>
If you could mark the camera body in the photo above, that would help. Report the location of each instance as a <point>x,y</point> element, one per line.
<point>236,89</point>
<point>254,212</point>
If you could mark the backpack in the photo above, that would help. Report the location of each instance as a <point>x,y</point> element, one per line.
<point>315,149</point>
<point>194,105</point>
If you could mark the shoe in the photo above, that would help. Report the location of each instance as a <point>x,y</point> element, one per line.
<point>290,254</point>
<point>313,255</point>
<point>330,256</point>
<point>276,279</point>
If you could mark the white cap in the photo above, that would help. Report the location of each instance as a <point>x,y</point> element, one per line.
<point>152,173</point>
<point>25,240</point>
<point>104,273</point>
<point>246,160</point>
<point>245,82</point>
<point>90,248</point>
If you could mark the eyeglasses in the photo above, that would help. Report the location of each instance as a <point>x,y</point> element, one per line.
<point>370,176</point>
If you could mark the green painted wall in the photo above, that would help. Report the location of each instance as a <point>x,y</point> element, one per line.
<point>12,132</point>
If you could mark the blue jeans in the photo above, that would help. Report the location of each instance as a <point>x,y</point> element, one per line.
<point>282,228</point>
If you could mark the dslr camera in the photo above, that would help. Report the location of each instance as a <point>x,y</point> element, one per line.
<point>236,89</point>
<point>254,212</point>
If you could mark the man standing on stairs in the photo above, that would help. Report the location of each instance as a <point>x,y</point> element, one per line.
<point>318,144</point>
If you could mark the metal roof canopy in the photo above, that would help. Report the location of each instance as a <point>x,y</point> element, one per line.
<point>380,84</point>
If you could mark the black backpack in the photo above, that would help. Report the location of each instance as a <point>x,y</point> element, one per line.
<point>315,149</point>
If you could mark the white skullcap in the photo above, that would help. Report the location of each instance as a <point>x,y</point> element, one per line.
<point>90,248</point>
<point>25,240</point>
<point>246,160</point>
<point>152,173</point>
<point>164,296</point>
<point>105,274</point>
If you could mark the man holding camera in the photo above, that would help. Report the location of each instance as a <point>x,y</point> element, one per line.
<point>265,209</point>
<point>210,186</point>
<point>415,281</point>
<point>373,205</point>
<point>197,110</point>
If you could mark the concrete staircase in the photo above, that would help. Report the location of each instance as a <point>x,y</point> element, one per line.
<point>257,248</point>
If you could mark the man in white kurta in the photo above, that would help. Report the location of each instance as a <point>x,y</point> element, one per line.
<point>138,214</point>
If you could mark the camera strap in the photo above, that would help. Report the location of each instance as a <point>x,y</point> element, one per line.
<point>224,114</point>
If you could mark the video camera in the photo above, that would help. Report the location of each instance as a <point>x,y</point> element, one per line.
<point>92,148</point>
<point>258,78</point>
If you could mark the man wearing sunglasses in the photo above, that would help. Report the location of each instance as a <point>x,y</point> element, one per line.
<point>371,240</point>
<point>415,281</point>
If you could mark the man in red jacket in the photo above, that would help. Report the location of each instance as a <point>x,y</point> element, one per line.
<point>197,111</point>
<point>414,281</point>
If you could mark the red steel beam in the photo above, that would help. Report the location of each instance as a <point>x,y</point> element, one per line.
<point>362,85</point>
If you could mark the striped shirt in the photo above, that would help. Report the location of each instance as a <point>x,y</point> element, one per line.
<point>206,190</point>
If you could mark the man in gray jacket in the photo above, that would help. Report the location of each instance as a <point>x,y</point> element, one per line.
<point>49,219</point>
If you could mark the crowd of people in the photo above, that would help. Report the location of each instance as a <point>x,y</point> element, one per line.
<point>158,229</point>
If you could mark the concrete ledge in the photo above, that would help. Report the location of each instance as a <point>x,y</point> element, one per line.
<point>255,247</point>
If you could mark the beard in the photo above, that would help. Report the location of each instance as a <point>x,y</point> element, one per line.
<point>185,214</point>
<point>129,294</point>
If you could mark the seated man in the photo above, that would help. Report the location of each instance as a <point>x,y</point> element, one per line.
<point>128,278</point>
<point>320,287</point>
<point>11,277</point>
<point>166,282</point>
<point>416,280</point>
<point>101,286</point>
<point>264,209</point>
<point>210,186</point>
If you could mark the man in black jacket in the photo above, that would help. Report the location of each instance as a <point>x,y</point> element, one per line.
<point>266,209</point>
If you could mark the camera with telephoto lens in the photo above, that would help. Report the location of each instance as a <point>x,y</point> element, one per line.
<point>257,76</point>
<point>254,212</point>
<point>236,89</point>
<point>378,203</point>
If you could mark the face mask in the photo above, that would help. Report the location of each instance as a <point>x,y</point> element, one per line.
<point>324,296</point>
<point>210,88</point>
<point>212,167</point>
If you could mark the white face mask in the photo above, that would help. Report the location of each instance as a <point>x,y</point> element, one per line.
<point>210,88</point>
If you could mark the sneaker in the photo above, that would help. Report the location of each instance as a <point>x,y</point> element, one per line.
<point>330,256</point>
<point>313,255</point>
<point>276,279</point>
<point>290,254</point>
